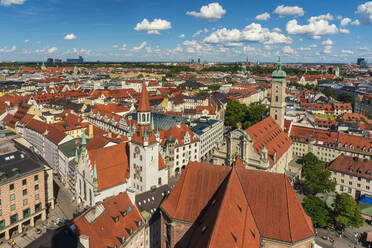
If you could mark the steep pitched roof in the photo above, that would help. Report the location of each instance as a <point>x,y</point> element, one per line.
<point>144,103</point>
<point>109,161</point>
<point>103,230</point>
<point>267,133</point>
<point>228,203</point>
<point>270,197</point>
<point>352,166</point>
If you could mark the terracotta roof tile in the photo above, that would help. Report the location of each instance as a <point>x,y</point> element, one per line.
<point>144,103</point>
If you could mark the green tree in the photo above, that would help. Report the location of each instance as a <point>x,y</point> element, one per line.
<point>370,116</point>
<point>317,210</point>
<point>214,86</point>
<point>347,211</point>
<point>329,92</point>
<point>235,113</point>
<point>310,158</point>
<point>201,93</point>
<point>317,177</point>
<point>254,114</point>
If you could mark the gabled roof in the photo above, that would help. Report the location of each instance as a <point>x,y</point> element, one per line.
<point>103,231</point>
<point>352,166</point>
<point>108,162</point>
<point>144,103</point>
<point>274,205</point>
<point>267,133</point>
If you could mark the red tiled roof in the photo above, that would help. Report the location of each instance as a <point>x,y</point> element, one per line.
<point>178,133</point>
<point>104,231</point>
<point>267,133</point>
<point>144,103</point>
<point>352,166</point>
<point>108,161</point>
<point>276,210</point>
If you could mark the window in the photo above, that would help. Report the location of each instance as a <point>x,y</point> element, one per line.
<point>12,197</point>
<point>1,212</point>
<point>276,98</point>
<point>359,179</point>
<point>24,182</point>
<point>2,224</point>
<point>13,219</point>
<point>12,207</point>
<point>350,183</point>
<point>25,202</point>
<point>37,197</point>
<point>276,117</point>
<point>36,177</point>
<point>342,181</point>
<point>26,213</point>
<point>358,184</point>
<point>367,187</point>
<point>24,192</point>
<point>36,187</point>
<point>11,186</point>
<point>159,180</point>
<point>38,207</point>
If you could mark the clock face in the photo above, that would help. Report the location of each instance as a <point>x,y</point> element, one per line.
<point>277,86</point>
<point>137,150</point>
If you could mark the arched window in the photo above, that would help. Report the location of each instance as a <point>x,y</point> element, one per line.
<point>276,98</point>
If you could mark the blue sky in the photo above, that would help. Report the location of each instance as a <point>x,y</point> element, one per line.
<point>163,30</point>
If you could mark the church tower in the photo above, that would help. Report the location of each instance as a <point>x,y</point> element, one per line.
<point>278,86</point>
<point>147,167</point>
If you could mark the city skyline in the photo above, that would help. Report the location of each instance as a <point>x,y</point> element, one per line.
<point>222,31</point>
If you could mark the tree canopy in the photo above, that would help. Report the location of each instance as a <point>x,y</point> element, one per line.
<point>243,114</point>
<point>317,210</point>
<point>317,177</point>
<point>347,211</point>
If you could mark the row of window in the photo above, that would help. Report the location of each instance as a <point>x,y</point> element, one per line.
<point>26,213</point>
<point>24,182</point>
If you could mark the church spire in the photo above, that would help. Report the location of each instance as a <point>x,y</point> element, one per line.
<point>83,141</point>
<point>144,103</point>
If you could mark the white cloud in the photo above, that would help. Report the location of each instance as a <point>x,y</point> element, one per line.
<point>365,12</point>
<point>313,46</point>
<point>248,49</point>
<point>289,10</point>
<point>263,17</point>
<point>251,33</point>
<point>123,47</point>
<point>347,52</point>
<point>8,50</point>
<point>327,42</point>
<point>234,44</point>
<point>181,36</point>
<point>10,2</point>
<point>197,33</point>
<point>363,48</point>
<point>327,49</point>
<point>327,17</point>
<point>26,41</point>
<point>85,51</point>
<point>150,50</point>
<point>316,27</point>
<point>278,30</point>
<point>136,49</point>
<point>153,27</point>
<point>344,31</point>
<point>355,23</point>
<point>345,21</point>
<point>211,12</point>
<point>52,50</point>
<point>289,50</point>
<point>70,37</point>
<point>194,46</point>
<point>178,49</point>
<point>304,48</point>
<point>206,30</point>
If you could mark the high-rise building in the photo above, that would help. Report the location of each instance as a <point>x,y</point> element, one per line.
<point>79,60</point>
<point>362,62</point>
<point>49,61</point>
<point>278,85</point>
<point>58,61</point>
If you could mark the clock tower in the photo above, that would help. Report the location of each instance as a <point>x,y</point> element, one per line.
<point>278,86</point>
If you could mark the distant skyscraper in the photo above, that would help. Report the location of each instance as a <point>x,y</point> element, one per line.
<point>80,60</point>
<point>49,61</point>
<point>58,61</point>
<point>337,72</point>
<point>198,60</point>
<point>362,62</point>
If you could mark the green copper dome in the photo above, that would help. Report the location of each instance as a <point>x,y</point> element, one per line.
<point>279,74</point>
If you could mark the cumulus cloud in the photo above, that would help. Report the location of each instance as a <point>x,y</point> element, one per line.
<point>345,21</point>
<point>317,26</point>
<point>251,33</point>
<point>136,49</point>
<point>181,36</point>
<point>70,37</point>
<point>10,2</point>
<point>278,30</point>
<point>355,23</point>
<point>123,47</point>
<point>234,44</point>
<point>347,52</point>
<point>344,31</point>
<point>304,48</point>
<point>327,49</point>
<point>194,46</point>
<point>85,51</point>
<point>197,33</point>
<point>211,12</point>
<point>365,13</point>
<point>153,27</point>
<point>8,50</point>
<point>327,17</point>
<point>52,50</point>
<point>287,50</point>
<point>26,41</point>
<point>178,49</point>
<point>263,17</point>
<point>248,49</point>
<point>283,11</point>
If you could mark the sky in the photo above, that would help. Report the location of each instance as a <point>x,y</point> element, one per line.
<point>168,30</point>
